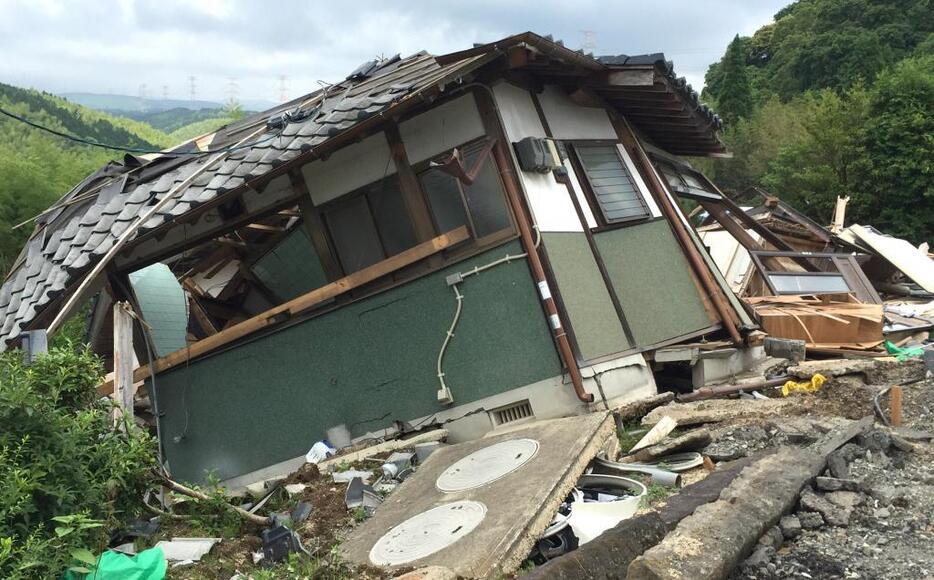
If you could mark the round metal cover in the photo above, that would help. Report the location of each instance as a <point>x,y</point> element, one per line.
<point>487,465</point>
<point>428,532</point>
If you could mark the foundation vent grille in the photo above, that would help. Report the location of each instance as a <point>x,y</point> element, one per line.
<point>512,413</point>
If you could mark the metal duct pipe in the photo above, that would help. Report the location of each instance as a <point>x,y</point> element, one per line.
<point>659,476</point>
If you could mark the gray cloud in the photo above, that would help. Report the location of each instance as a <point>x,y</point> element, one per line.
<point>118,45</point>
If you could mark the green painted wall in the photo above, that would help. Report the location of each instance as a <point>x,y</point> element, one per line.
<point>651,279</point>
<point>292,268</point>
<point>365,365</point>
<point>164,306</point>
<point>593,318</point>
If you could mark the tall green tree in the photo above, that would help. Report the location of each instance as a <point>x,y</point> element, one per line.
<point>899,151</point>
<point>732,91</point>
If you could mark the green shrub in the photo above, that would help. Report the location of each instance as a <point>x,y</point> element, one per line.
<point>67,476</point>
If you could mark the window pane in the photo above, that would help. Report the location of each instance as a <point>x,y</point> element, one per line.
<point>354,235</point>
<point>392,220</point>
<point>611,183</point>
<point>486,199</point>
<point>805,284</point>
<point>444,200</point>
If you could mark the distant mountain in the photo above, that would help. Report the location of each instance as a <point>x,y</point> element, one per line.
<point>126,103</point>
<point>36,168</point>
<point>170,120</point>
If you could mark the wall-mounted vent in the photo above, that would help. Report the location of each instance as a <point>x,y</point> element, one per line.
<point>512,413</point>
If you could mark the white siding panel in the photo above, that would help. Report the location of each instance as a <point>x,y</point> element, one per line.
<point>568,120</point>
<point>441,128</point>
<point>549,201</point>
<point>349,168</point>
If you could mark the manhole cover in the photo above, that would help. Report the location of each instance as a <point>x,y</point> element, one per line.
<point>427,533</point>
<point>487,465</point>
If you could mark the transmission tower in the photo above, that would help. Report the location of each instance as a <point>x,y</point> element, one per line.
<point>192,87</point>
<point>165,92</point>
<point>143,89</point>
<point>233,90</point>
<point>589,43</point>
<point>283,89</point>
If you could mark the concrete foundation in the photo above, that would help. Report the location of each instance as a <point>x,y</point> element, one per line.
<point>519,505</point>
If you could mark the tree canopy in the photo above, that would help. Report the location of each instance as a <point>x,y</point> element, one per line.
<point>840,102</point>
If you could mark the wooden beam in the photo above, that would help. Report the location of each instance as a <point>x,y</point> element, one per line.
<point>265,228</point>
<point>282,312</point>
<point>201,316</point>
<point>123,363</point>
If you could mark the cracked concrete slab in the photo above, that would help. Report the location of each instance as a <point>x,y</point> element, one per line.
<point>519,504</point>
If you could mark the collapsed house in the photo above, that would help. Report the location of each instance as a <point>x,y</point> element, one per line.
<point>480,238</point>
<point>841,290</point>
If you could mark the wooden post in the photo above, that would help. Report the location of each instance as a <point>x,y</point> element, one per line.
<point>123,361</point>
<point>895,405</point>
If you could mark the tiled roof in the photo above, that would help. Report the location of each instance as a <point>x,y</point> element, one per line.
<point>67,242</point>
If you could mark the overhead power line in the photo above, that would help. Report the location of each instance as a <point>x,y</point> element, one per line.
<point>141,150</point>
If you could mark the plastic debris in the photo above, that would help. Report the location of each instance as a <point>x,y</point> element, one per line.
<point>147,565</point>
<point>903,354</point>
<point>186,549</point>
<point>359,494</point>
<point>350,474</point>
<point>810,386</point>
<point>319,452</point>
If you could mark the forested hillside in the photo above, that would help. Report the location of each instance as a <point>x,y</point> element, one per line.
<point>835,97</point>
<point>37,168</point>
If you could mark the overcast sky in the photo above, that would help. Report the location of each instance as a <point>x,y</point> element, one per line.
<point>245,46</point>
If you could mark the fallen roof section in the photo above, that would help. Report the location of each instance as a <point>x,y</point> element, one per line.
<point>73,236</point>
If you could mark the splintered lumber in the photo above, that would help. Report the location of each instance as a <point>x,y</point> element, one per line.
<point>640,407</point>
<point>655,434</point>
<point>690,441</point>
<point>295,306</point>
<point>827,322</point>
<point>384,447</point>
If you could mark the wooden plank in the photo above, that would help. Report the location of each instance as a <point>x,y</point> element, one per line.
<point>201,316</point>
<point>302,303</point>
<point>123,362</point>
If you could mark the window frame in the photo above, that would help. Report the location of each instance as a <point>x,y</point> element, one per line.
<point>476,244</point>
<point>590,194</point>
<point>846,273</point>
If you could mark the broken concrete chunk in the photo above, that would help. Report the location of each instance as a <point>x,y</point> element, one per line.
<point>690,441</point>
<point>429,573</point>
<point>295,488</point>
<point>790,527</point>
<point>833,514</point>
<point>760,556</point>
<point>845,499</point>
<point>914,434</point>
<point>772,538</point>
<point>876,440</point>
<point>810,520</point>
<point>902,444</point>
<point>837,465</point>
<point>834,484</point>
<point>886,494</point>
<point>642,406</point>
<point>717,410</point>
<point>831,368</point>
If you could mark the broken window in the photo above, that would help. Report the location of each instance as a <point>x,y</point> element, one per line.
<point>370,225</point>
<point>685,181</point>
<point>611,185</point>
<point>481,205</point>
<point>831,274</point>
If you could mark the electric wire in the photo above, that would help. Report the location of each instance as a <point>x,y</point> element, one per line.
<point>140,150</point>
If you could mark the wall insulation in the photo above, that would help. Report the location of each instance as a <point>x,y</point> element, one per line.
<point>364,365</point>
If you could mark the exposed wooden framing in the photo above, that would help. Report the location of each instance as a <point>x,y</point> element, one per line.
<point>314,227</point>
<point>285,311</point>
<point>201,316</point>
<point>123,363</point>
<point>722,305</point>
<point>264,228</point>
<point>517,201</point>
<point>731,225</point>
<point>411,187</point>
